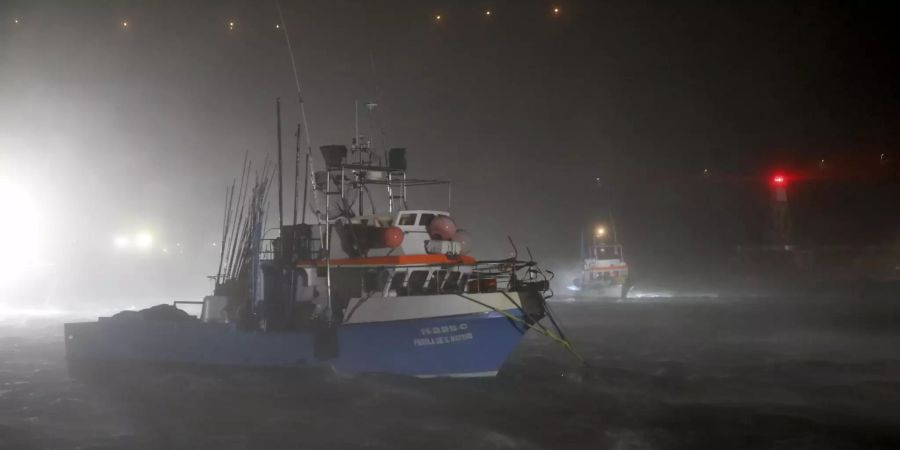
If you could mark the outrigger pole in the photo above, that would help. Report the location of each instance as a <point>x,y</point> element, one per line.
<point>297,178</point>
<point>280,184</point>
<point>306,180</point>
<point>309,169</point>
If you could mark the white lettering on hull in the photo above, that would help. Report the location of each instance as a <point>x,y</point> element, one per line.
<point>441,335</point>
<point>440,340</point>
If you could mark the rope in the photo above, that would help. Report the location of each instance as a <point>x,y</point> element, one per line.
<point>541,330</point>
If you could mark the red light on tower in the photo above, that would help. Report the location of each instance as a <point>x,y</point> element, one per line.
<point>779,186</point>
<point>781,219</point>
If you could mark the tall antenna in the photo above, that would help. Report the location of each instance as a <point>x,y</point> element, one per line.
<point>374,77</point>
<point>356,119</point>
<point>287,40</point>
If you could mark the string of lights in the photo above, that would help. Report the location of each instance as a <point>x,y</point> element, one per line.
<point>232,23</point>
<point>873,164</point>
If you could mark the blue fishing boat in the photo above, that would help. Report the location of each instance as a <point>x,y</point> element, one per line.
<point>373,286</point>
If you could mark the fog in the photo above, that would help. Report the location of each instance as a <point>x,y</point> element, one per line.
<point>114,130</point>
<point>118,142</point>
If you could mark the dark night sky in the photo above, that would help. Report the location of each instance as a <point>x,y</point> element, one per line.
<point>119,129</point>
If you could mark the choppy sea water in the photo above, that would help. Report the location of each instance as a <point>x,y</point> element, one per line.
<point>664,374</point>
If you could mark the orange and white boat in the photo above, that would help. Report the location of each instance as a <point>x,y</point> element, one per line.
<point>605,272</point>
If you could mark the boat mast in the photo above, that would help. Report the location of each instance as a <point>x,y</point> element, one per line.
<point>325,241</point>
<point>297,177</point>
<point>612,224</point>
<point>303,121</point>
<point>280,183</point>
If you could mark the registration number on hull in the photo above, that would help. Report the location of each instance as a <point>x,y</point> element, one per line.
<point>446,334</point>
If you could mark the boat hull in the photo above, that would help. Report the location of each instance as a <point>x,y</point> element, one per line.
<point>469,345</point>
<point>611,292</point>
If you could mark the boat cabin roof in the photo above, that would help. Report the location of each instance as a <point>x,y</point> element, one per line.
<point>403,218</point>
<point>394,261</point>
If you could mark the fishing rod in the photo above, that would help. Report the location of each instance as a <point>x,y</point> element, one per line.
<point>229,196</point>
<point>233,220</point>
<point>238,217</point>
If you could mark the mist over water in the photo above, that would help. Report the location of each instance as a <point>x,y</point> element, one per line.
<point>791,372</point>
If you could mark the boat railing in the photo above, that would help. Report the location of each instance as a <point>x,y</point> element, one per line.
<point>511,275</point>
<point>490,276</point>
<point>484,276</point>
<point>267,249</point>
<point>434,280</point>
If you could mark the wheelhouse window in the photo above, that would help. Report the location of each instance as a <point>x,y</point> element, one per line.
<point>425,219</point>
<point>451,284</point>
<point>416,283</point>
<point>463,282</point>
<point>396,287</point>
<point>407,219</point>
<point>435,282</point>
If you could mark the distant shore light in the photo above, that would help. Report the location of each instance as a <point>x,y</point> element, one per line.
<point>121,241</point>
<point>143,240</point>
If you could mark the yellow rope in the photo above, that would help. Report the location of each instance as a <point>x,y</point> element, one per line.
<point>542,330</point>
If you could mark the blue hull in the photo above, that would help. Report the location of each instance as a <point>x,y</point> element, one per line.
<point>465,345</point>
